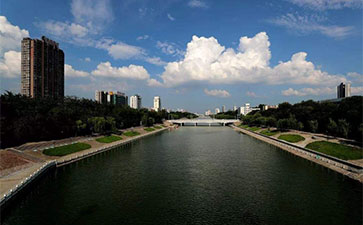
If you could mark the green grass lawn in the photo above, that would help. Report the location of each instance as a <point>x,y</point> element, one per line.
<point>131,133</point>
<point>293,138</point>
<point>249,128</point>
<point>269,132</point>
<point>158,127</point>
<point>148,129</point>
<point>337,150</point>
<point>253,129</point>
<point>109,139</point>
<point>66,149</point>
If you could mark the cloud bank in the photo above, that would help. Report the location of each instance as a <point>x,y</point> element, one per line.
<point>206,61</point>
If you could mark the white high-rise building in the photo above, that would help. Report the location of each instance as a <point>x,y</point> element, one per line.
<point>135,102</point>
<point>223,108</point>
<point>234,108</point>
<point>244,110</point>
<point>217,110</point>
<point>157,103</point>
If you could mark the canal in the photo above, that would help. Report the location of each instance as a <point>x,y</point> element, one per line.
<point>194,175</point>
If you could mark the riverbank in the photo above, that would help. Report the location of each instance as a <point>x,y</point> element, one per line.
<point>341,166</point>
<point>14,182</point>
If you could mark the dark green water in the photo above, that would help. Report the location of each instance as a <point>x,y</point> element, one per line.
<point>210,175</point>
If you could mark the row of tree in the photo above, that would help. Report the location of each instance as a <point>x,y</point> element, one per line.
<point>26,119</point>
<point>343,118</point>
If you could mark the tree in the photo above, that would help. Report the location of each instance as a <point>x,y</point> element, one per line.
<point>332,127</point>
<point>313,125</point>
<point>283,124</point>
<point>81,127</point>
<point>343,128</point>
<point>271,121</point>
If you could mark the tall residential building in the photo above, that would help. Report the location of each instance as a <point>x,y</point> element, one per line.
<point>42,68</point>
<point>223,108</point>
<point>157,103</point>
<point>343,90</point>
<point>120,99</point>
<point>101,97</point>
<point>234,108</point>
<point>135,102</point>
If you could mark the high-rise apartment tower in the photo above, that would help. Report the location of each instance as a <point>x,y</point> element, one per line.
<point>157,103</point>
<point>42,68</point>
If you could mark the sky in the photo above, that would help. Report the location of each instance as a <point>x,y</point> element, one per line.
<point>194,54</point>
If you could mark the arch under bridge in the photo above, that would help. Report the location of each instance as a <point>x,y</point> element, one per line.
<point>203,122</point>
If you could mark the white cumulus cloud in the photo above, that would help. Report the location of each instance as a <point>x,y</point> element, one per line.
<point>10,65</point>
<point>122,50</point>
<point>308,91</point>
<point>69,71</point>
<point>154,83</point>
<point>10,36</point>
<point>63,29</point>
<point>206,61</point>
<point>134,72</point>
<point>217,93</point>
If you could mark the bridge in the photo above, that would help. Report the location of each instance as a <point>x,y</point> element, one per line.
<point>202,122</point>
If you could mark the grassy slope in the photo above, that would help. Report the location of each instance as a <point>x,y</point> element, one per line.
<point>337,150</point>
<point>148,129</point>
<point>109,139</point>
<point>293,138</point>
<point>66,149</point>
<point>131,133</point>
<point>269,133</point>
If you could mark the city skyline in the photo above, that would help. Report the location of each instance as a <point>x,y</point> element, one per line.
<point>286,52</point>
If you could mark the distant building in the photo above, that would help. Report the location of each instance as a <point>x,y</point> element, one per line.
<point>343,90</point>
<point>42,68</point>
<point>157,103</point>
<point>235,108</point>
<point>208,113</point>
<point>223,108</point>
<point>135,102</point>
<point>244,110</point>
<point>266,107</point>
<point>217,111</point>
<point>101,97</point>
<point>111,97</point>
<point>120,98</point>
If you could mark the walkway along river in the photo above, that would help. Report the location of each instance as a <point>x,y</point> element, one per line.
<point>195,175</point>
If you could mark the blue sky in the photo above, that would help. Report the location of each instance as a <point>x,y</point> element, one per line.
<point>195,54</point>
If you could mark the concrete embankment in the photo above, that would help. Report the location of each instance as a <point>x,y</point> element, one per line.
<point>87,153</point>
<point>341,166</point>
<point>16,183</point>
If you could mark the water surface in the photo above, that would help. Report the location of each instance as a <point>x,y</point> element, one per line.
<point>195,175</point>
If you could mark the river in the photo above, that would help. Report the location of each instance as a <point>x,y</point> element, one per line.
<point>194,175</point>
